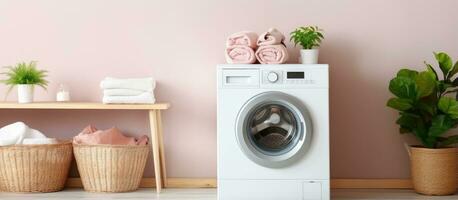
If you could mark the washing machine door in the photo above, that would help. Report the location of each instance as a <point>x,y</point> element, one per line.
<point>273,129</point>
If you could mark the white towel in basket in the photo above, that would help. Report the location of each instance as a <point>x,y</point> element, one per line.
<point>20,133</point>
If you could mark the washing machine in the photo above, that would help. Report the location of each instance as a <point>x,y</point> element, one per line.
<point>273,132</point>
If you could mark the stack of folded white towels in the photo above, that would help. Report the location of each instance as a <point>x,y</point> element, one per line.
<point>128,91</point>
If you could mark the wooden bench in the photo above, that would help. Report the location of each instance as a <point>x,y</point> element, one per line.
<point>154,111</point>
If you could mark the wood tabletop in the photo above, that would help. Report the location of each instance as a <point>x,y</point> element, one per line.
<point>82,106</point>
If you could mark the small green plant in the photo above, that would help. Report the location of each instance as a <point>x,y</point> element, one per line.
<point>425,106</point>
<point>308,37</point>
<point>25,73</point>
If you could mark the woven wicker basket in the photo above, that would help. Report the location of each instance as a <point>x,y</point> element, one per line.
<point>434,171</point>
<point>111,168</point>
<point>35,168</point>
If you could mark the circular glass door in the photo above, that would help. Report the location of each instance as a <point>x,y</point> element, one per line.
<point>273,129</point>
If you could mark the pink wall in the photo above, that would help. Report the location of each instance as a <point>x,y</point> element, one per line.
<point>180,42</point>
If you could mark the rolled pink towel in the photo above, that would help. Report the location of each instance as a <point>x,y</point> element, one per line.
<point>244,38</point>
<point>272,54</point>
<point>271,37</point>
<point>91,136</point>
<point>239,54</point>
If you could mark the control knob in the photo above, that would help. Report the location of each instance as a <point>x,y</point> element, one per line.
<point>272,77</point>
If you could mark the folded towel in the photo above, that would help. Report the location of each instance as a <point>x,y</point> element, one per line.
<point>271,37</point>
<point>122,92</point>
<point>144,84</point>
<point>91,136</point>
<point>240,55</point>
<point>144,98</point>
<point>244,38</point>
<point>272,54</point>
<point>20,133</point>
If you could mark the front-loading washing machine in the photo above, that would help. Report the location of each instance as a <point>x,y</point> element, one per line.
<point>273,132</point>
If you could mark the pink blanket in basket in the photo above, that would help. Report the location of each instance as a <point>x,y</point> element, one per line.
<point>90,135</point>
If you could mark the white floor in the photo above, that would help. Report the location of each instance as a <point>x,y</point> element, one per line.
<point>210,194</point>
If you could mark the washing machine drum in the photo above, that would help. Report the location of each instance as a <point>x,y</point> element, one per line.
<point>274,129</point>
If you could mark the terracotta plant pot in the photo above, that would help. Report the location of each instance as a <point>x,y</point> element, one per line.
<point>434,171</point>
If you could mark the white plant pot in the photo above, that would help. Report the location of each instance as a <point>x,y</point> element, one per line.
<point>309,56</point>
<point>25,93</point>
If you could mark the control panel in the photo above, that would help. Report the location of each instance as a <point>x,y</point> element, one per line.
<point>289,77</point>
<point>273,76</point>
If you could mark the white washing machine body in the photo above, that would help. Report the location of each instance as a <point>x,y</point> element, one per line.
<point>273,132</point>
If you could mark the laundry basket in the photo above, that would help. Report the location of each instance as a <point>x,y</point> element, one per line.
<point>111,168</point>
<point>35,168</point>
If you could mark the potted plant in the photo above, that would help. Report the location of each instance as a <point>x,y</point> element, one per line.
<point>25,76</point>
<point>309,38</point>
<point>428,110</point>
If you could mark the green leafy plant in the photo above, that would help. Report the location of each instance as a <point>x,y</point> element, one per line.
<point>25,73</point>
<point>423,99</point>
<point>307,37</point>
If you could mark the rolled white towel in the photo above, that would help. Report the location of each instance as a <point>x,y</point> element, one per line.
<point>122,92</point>
<point>144,84</point>
<point>20,133</point>
<point>13,133</point>
<point>144,98</point>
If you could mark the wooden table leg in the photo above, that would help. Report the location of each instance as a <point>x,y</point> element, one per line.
<point>155,148</point>
<point>161,148</point>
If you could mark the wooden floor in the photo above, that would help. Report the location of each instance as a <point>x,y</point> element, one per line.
<point>210,194</point>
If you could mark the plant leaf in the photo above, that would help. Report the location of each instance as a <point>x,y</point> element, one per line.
<point>25,73</point>
<point>449,106</point>
<point>399,104</point>
<point>430,68</point>
<point>307,37</point>
<point>453,71</point>
<point>425,84</point>
<point>445,62</point>
<point>407,121</point>
<point>407,73</point>
<point>439,125</point>
<point>403,87</point>
<point>414,124</point>
<point>427,107</point>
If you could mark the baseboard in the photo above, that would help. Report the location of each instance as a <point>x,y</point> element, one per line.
<point>371,183</point>
<point>150,183</point>
<point>211,183</point>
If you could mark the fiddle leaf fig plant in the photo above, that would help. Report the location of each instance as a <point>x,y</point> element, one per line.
<point>423,99</point>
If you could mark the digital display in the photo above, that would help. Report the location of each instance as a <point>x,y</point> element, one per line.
<point>295,75</point>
